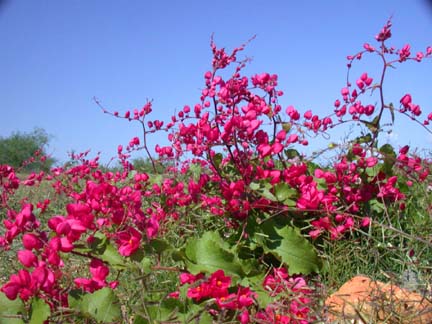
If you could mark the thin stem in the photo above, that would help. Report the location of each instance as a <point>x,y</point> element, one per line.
<point>383,106</point>
<point>146,147</point>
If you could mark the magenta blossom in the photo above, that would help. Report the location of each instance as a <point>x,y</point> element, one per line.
<point>128,241</point>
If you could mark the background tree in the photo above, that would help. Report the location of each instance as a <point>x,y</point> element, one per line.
<point>145,165</point>
<point>26,150</point>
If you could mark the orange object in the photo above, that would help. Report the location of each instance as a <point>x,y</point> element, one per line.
<point>368,301</point>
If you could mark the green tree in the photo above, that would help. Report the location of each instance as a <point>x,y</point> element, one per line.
<point>145,165</point>
<point>20,148</point>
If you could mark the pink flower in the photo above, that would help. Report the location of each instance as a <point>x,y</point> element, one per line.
<point>219,284</point>
<point>292,138</point>
<point>66,245</point>
<point>299,312</point>
<point>369,110</point>
<point>99,273</point>
<point>368,47</point>
<point>264,150</point>
<point>385,33</point>
<point>244,317</point>
<point>345,92</point>
<point>365,222</point>
<point>228,301</point>
<point>406,100</point>
<point>199,292</point>
<point>293,113</point>
<point>31,241</point>
<point>27,258</point>
<point>174,294</point>
<point>17,281</point>
<point>188,278</point>
<point>281,135</point>
<point>360,84</point>
<point>129,241</point>
<point>308,114</point>
<point>245,297</point>
<point>152,227</point>
<point>277,148</point>
<point>404,53</point>
<point>11,289</point>
<point>404,150</point>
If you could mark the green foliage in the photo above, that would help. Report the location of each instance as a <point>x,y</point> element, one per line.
<point>210,253</point>
<point>236,225</point>
<point>292,248</point>
<point>102,305</point>
<point>40,311</point>
<point>19,148</point>
<point>10,310</point>
<point>396,242</point>
<point>105,250</point>
<point>145,165</point>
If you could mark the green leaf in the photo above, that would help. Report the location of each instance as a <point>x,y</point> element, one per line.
<point>217,159</point>
<point>389,158</point>
<point>364,138</point>
<point>290,247</point>
<point>82,248</point>
<point>254,186</point>
<point>264,188</point>
<point>332,145</point>
<point>98,242</point>
<point>140,320</point>
<point>132,174</point>
<point>256,284</point>
<point>160,245</point>
<point>198,314</point>
<point>146,265</point>
<point>284,193</point>
<point>205,318</point>
<point>74,298</point>
<point>291,153</point>
<point>267,194</point>
<point>40,311</point>
<point>10,308</point>
<point>166,311</point>
<point>156,178</point>
<point>138,255</point>
<point>321,184</point>
<point>102,305</point>
<point>196,171</point>
<point>387,150</point>
<point>377,206</point>
<point>374,125</point>
<point>112,256</point>
<point>391,108</point>
<point>178,255</point>
<point>210,253</point>
<point>106,251</point>
<point>373,171</point>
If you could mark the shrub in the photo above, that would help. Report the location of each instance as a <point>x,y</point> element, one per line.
<point>26,151</point>
<point>237,225</point>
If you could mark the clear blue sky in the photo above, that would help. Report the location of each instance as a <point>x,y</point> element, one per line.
<point>57,55</point>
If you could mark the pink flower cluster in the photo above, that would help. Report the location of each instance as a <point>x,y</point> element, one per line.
<point>294,302</point>
<point>291,295</point>
<point>102,206</point>
<point>217,287</point>
<point>243,144</point>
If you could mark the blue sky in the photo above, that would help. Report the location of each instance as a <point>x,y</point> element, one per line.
<point>57,55</point>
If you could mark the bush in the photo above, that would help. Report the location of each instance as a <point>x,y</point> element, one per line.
<point>26,151</point>
<point>233,223</point>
